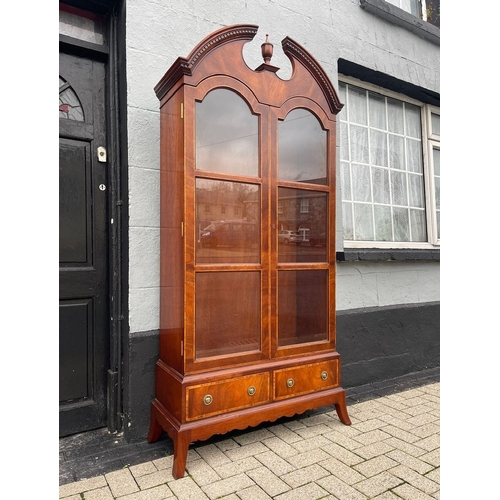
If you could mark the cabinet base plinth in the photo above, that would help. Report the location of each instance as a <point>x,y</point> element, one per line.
<point>183,434</point>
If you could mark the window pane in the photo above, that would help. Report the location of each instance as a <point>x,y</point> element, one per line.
<point>82,25</point>
<point>413,126</point>
<point>344,142</point>
<point>418,225</point>
<point>416,187</point>
<point>226,134</point>
<point>437,187</point>
<point>397,152</point>
<point>302,235</point>
<point>436,160</point>
<point>221,240</point>
<point>347,221</point>
<point>359,144</point>
<point>401,224</point>
<point>220,312</point>
<point>396,116</point>
<point>377,111</point>
<point>302,148</point>
<point>435,124</point>
<point>398,185</point>
<point>381,188</point>
<point>361,189</point>
<point>363,222</point>
<point>414,155</point>
<point>357,106</point>
<point>378,148</point>
<point>302,307</point>
<point>70,106</point>
<point>345,179</point>
<point>383,223</point>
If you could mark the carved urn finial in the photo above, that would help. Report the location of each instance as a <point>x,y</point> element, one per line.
<point>267,50</point>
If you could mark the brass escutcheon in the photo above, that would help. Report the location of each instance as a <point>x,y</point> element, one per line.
<point>251,390</point>
<point>324,375</point>
<point>290,382</point>
<point>207,399</point>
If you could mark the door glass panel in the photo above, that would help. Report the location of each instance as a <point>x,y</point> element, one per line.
<point>302,225</point>
<point>228,313</point>
<point>302,148</point>
<point>227,222</point>
<point>226,134</point>
<point>302,306</point>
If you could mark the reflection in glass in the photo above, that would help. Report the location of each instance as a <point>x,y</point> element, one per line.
<point>302,233</point>
<point>87,26</point>
<point>226,134</point>
<point>227,222</point>
<point>70,106</point>
<point>227,322</point>
<point>302,148</point>
<point>302,306</point>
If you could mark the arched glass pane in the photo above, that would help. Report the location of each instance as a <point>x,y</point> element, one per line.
<point>70,106</point>
<point>302,148</point>
<point>226,135</point>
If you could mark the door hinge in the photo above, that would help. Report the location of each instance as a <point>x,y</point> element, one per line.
<point>182,348</point>
<point>182,110</point>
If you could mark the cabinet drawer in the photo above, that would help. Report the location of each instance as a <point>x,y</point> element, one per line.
<point>210,399</point>
<point>303,379</point>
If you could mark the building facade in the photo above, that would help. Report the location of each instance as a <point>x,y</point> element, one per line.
<point>383,59</point>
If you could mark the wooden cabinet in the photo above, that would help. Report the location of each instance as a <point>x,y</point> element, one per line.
<point>247,297</point>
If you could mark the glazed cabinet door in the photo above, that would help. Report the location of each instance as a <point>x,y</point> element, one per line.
<point>227,278</point>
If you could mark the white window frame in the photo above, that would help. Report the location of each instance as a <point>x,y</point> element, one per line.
<point>428,171</point>
<point>304,205</point>
<point>423,9</point>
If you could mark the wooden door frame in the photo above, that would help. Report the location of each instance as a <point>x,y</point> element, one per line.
<point>116,106</point>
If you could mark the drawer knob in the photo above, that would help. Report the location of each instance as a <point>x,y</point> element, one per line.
<point>324,375</point>
<point>251,390</point>
<point>290,382</point>
<point>207,399</point>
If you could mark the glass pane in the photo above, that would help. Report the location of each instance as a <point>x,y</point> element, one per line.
<point>438,214</point>
<point>302,148</point>
<point>398,184</point>
<point>401,224</point>
<point>378,148</point>
<point>383,223</point>
<point>70,106</point>
<point>226,134</point>
<point>397,152</point>
<point>345,177</point>
<point>436,160</point>
<point>437,188</point>
<point>359,144</point>
<point>347,221</point>
<point>227,322</point>
<point>357,106</point>
<point>396,116</point>
<point>82,25</point>
<point>377,111</point>
<point>302,235</point>
<point>361,188</point>
<point>418,225</point>
<point>381,188</point>
<point>435,124</point>
<point>363,222</point>
<point>416,186</point>
<point>414,151</point>
<point>344,142</point>
<point>302,307</point>
<point>227,222</point>
<point>413,127</point>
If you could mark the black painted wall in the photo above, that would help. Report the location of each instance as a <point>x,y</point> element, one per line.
<point>375,344</point>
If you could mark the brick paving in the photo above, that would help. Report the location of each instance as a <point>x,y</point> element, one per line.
<point>390,452</point>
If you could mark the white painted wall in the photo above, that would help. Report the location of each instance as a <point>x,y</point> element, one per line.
<point>159,31</point>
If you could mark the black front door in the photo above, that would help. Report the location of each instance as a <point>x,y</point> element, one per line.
<point>83,246</point>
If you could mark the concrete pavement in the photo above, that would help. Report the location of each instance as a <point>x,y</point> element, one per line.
<point>391,451</point>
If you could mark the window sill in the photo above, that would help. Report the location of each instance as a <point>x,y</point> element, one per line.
<point>398,16</point>
<point>376,254</point>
